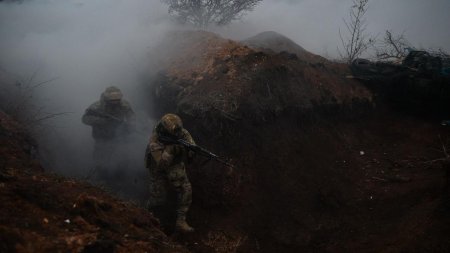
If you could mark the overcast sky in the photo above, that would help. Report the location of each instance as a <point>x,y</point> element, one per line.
<point>314,24</point>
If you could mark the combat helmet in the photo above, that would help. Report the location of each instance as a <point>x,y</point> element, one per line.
<point>112,93</point>
<point>172,124</point>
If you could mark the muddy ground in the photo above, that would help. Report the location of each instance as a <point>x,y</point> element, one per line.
<point>373,184</point>
<point>42,212</point>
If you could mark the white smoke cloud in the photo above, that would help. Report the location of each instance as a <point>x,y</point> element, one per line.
<point>87,46</point>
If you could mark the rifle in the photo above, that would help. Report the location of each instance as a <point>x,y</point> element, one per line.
<point>106,115</point>
<point>195,148</point>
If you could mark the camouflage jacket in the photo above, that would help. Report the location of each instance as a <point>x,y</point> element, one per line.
<point>109,123</point>
<point>160,156</point>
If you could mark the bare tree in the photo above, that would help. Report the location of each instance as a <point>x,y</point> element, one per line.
<point>440,53</point>
<point>17,99</point>
<point>203,13</point>
<point>392,47</point>
<point>355,41</point>
<point>395,47</point>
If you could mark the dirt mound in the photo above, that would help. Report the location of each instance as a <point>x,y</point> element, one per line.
<point>273,41</point>
<point>48,213</point>
<point>208,74</point>
<point>318,168</point>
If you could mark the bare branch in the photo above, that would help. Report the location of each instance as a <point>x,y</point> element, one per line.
<point>32,77</point>
<point>357,41</point>
<point>44,82</point>
<point>392,47</point>
<point>202,13</point>
<point>48,116</point>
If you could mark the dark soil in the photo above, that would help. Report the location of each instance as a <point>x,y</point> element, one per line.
<point>41,212</point>
<point>373,184</point>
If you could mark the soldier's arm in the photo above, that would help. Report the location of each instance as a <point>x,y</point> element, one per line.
<point>159,153</point>
<point>89,118</point>
<point>149,156</point>
<point>185,135</point>
<point>130,116</point>
<point>164,154</point>
<point>167,157</point>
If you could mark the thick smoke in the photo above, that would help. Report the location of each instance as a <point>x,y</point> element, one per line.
<point>85,46</point>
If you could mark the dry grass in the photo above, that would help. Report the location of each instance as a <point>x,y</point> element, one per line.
<point>221,242</point>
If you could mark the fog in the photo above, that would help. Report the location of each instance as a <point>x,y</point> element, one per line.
<point>87,45</point>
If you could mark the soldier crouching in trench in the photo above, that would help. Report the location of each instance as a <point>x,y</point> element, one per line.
<point>166,163</point>
<point>112,119</point>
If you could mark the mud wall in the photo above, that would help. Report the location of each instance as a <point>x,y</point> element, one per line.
<point>328,184</point>
<point>321,165</point>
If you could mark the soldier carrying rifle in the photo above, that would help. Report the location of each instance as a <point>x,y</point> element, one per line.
<point>169,148</point>
<point>112,120</point>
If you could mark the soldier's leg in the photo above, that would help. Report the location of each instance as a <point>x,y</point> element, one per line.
<point>102,159</point>
<point>181,185</point>
<point>158,190</point>
<point>158,202</point>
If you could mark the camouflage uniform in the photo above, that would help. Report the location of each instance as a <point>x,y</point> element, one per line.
<point>111,118</point>
<point>166,163</point>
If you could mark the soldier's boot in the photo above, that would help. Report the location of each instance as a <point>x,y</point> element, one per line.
<point>181,224</point>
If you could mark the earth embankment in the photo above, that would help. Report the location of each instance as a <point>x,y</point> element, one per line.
<point>319,165</point>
